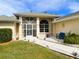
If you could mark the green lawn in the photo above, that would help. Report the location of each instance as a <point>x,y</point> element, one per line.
<point>26,50</point>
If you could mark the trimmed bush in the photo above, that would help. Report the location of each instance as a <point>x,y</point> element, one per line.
<point>71,39</point>
<point>5,35</point>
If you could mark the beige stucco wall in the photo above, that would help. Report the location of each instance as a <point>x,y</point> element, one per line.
<point>10,25</point>
<point>71,25</point>
<point>20,29</point>
<point>17,31</point>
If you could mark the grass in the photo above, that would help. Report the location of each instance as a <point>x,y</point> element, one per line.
<point>26,50</point>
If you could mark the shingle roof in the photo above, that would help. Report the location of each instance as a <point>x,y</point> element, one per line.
<point>8,19</point>
<point>68,17</point>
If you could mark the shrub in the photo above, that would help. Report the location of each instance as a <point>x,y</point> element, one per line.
<point>5,35</point>
<point>71,38</point>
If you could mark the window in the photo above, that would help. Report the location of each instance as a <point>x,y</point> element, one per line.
<point>29,19</point>
<point>24,33</point>
<point>24,29</point>
<point>44,26</point>
<point>24,26</point>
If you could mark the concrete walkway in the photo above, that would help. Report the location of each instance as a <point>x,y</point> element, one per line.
<point>56,47</point>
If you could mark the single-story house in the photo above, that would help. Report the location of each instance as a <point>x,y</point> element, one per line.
<point>40,25</point>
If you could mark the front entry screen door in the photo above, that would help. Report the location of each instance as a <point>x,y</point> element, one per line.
<point>29,30</point>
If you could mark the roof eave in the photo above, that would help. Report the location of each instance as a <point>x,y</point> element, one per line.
<point>66,18</point>
<point>49,16</point>
<point>10,21</point>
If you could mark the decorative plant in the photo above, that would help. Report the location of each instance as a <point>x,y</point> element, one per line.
<point>5,35</point>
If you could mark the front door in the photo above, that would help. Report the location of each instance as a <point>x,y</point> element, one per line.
<point>29,30</point>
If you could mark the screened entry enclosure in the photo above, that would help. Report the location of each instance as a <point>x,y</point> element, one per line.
<point>29,26</point>
<point>34,27</point>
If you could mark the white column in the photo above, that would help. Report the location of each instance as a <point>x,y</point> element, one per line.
<point>20,29</point>
<point>38,27</point>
